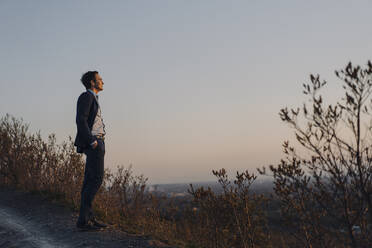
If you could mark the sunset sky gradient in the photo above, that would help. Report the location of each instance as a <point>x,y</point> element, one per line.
<point>190,86</point>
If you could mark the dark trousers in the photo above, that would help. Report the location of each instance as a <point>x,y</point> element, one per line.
<point>93,178</point>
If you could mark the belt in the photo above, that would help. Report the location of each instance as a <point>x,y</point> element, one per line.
<point>101,137</point>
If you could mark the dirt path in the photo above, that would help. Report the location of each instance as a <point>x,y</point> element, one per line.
<point>29,221</point>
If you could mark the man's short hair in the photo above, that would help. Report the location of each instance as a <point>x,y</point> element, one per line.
<point>87,77</point>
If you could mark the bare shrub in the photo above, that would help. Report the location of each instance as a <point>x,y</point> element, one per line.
<point>234,218</point>
<point>29,163</point>
<point>122,197</point>
<point>326,192</point>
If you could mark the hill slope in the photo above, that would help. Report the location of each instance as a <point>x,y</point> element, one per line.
<point>30,221</point>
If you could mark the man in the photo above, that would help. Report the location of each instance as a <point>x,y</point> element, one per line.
<point>90,140</point>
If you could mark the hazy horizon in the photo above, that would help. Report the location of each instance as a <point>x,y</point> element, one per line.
<point>190,86</point>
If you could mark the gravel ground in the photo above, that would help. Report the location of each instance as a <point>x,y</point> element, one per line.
<point>29,221</point>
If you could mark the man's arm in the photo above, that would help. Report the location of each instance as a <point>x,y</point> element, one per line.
<point>84,105</point>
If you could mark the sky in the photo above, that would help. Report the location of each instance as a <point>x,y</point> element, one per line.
<point>190,86</point>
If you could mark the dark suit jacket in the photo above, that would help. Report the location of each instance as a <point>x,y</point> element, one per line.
<point>86,112</point>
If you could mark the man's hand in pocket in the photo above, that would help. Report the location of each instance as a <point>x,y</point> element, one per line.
<point>94,144</point>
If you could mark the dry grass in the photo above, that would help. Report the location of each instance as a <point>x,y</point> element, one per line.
<point>235,218</point>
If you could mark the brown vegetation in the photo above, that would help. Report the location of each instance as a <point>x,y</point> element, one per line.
<point>233,219</point>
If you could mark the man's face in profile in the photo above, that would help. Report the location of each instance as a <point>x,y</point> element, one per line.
<point>98,83</point>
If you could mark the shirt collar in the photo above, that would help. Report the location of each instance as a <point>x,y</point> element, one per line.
<point>94,94</point>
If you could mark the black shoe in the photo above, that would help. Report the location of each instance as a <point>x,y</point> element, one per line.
<point>98,224</point>
<point>87,227</point>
